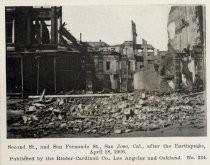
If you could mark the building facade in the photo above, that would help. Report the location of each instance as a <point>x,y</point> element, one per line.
<point>186,44</point>
<point>127,66</point>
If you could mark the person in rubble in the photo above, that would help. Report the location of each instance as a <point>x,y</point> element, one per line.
<point>198,84</point>
<point>45,33</point>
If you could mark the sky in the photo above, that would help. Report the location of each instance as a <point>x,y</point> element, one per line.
<point>112,24</point>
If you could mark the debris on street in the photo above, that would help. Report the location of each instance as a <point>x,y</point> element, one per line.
<point>102,116</point>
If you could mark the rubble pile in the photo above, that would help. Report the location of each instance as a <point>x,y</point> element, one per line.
<point>116,114</point>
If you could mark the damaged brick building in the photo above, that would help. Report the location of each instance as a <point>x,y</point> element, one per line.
<point>128,66</point>
<point>185,61</point>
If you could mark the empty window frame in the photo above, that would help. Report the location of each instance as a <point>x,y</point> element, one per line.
<point>100,66</point>
<point>108,65</point>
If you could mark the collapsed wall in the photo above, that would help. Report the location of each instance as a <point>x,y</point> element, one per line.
<point>148,64</point>
<point>186,45</point>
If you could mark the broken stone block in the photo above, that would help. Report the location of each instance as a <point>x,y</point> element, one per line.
<point>130,98</point>
<point>117,131</point>
<point>105,132</point>
<point>25,119</point>
<point>57,110</point>
<point>79,106</point>
<point>109,107</point>
<point>141,102</point>
<point>157,100</point>
<point>63,125</point>
<point>39,105</point>
<point>50,108</point>
<point>136,112</point>
<point>123,105</point>
<point>16,124</point>
<point>60,117</point>
<point>76,129</point>
<point>116,115</point>
<point>138,106</point>
<point>143,95</point>
<point>128,130</point>
<point>146,108</point>
<point>151,98</point>
<point>94,131</point>
<point>110,120</point>
<point>32,108</point>
<point>124,122</point>
<point>60,101</point>
<point>33,117</point>
<point>87,131</point>
<point>29,118</point>
<point>127,111</point>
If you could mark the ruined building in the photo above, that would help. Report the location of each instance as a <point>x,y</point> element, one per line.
<point>42,54</point>
<point>38,56</point>
<point>128,66</point>
<point>186,45</point>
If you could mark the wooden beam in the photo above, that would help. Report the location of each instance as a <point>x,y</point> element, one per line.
<point>194,94</point>
<point>37,83</point>
<point>55,87</point>
<point>42,95</point>
<point>13,31</point>
<point>53,25</point>
<point>21,65</point>
<point>60,24</point>
<point>76,96</point>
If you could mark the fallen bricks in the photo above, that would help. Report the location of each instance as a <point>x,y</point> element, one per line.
<point>114,114</point>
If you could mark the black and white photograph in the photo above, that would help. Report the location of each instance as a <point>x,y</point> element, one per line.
<point>106,71</point>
